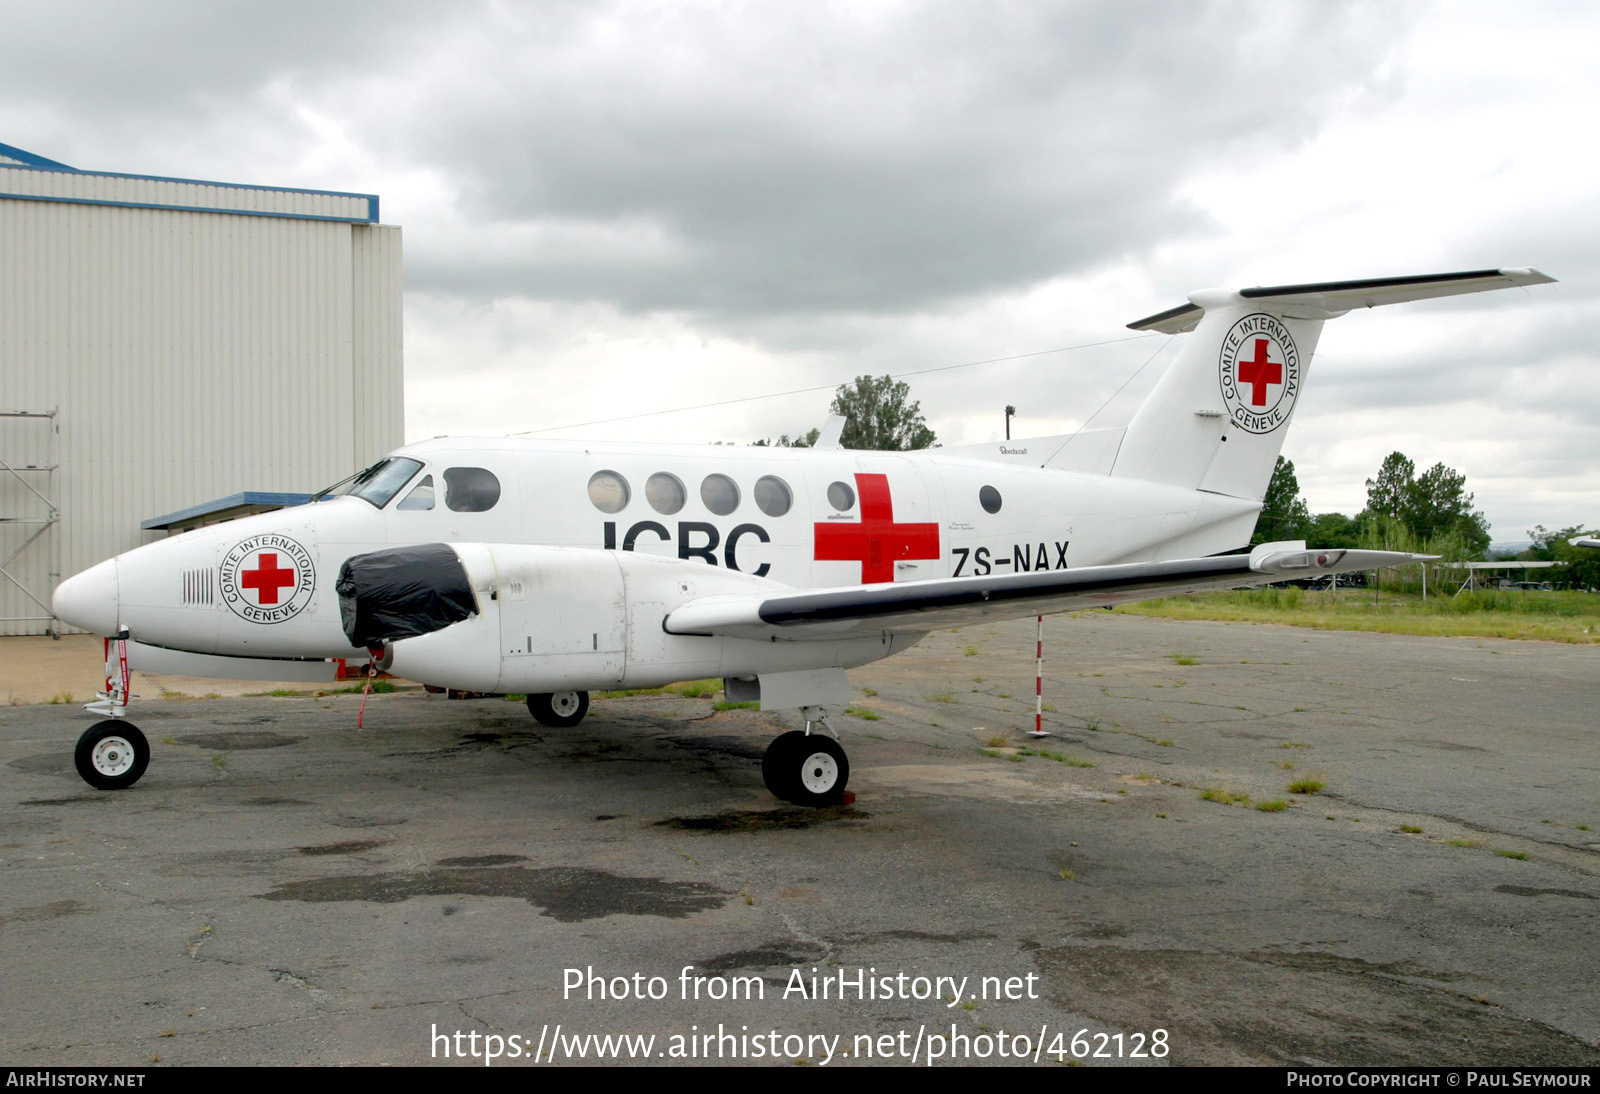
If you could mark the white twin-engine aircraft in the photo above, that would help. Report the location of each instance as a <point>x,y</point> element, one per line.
<point>550,567</point>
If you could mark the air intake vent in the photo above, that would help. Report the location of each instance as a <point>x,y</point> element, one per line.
<point>199,588</point>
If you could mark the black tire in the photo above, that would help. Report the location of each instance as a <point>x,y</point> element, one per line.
<point>810,770</point>
<point>112,755</point>
<point>561,709</point>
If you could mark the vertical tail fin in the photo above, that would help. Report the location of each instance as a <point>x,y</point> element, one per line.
<point>1216,420</point>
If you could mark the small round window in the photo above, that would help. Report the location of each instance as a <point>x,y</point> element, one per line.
<point>989,498</point>
<point>665,493</point>
<point>841,497</point>
<point>470,489</point>
<point>772,496</point>
<point>720,493</point>
<point>609,491</point>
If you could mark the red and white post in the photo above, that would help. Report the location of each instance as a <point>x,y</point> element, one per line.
<point>1038,686</point>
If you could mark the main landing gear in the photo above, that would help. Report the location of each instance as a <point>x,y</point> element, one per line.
<point>807,768</point>
<point>112,755</point>
<point>561,709</point>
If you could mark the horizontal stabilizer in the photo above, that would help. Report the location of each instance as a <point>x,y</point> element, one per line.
<point>1327,299</point>
<point>949,602</point>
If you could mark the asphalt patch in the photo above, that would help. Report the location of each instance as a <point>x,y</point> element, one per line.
<point>724,745</point>
<point>483,860</point>
<point>347,847</point>
<point>1232,1009</point>
<point>761,820</point>
<point>45,763</point>
<point>1523,890</point>
<point>248,741</point>
<point>567,894</point>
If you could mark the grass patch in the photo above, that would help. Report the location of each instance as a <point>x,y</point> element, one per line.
<point>1294,744</point>
<point>751,705</point>
<point>1224,797</point>
<point>941,697</point>
<point>1092,722</point>
<point>1511,854</point>
<point>1572,617</point>
<point>689,689</point>
<point>970,651</point>
<point>1465,843</point>
<point>1306,786</point>
<point>868,692</point>
<point>60,697</point>
<point>1064,758</point>
<point>864,714</point>
<point>279,693</point>
<point>999,740</point>
<point>1411,829</point>
<point>1276,805</point>
<point>1183,659</point>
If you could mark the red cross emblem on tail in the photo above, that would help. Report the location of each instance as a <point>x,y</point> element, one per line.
<point>877,542</point>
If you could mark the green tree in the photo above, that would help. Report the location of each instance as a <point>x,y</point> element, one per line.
<point>881,416</point>
<point>1434,506</point>
<point>804,440</point>
<point>1284,514</point>
<point>1334,530</point>
<point>1387,493</point>
<point>1582,569</point>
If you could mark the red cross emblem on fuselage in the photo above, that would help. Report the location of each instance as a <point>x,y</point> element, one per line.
<point>266,579</point>
<point>1259,373</point>
<point>877,542</point>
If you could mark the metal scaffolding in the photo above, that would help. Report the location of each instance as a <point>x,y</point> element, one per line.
<point>32,526</point>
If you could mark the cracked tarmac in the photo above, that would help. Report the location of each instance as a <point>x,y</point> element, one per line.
<point>282,889</point>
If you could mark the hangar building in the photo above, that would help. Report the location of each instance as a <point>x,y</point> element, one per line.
<point>168,342</point>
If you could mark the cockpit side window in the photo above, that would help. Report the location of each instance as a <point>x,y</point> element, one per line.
<point>470,489</point>
<point>421,496</point>
<point>379,483</point>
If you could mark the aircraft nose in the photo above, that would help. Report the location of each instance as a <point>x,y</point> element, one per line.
<point>88,600</point>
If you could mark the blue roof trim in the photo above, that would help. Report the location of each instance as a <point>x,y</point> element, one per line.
<point>233,501</point>
<point>32,162</point>
<point>370,218</point>
<point>32,159</point>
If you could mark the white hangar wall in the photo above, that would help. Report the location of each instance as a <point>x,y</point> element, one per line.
<point>194,340</point>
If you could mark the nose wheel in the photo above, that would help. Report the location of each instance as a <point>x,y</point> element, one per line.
<point>112,755</point>
<point>806,769</point>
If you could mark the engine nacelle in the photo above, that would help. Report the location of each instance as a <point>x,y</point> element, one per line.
<point>542,619</point>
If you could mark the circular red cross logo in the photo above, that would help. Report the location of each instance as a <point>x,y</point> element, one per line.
<point>267,579</point>
<point>1259,372</point>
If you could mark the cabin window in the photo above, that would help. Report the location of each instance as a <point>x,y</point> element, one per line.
<point>665,493</point>
<point>772,496</point>
<point>841,497</point>
<point>421,496</point>
<point>470,489</point>
<point>720,493</point>
<point>989,498</point>
<point>609,491</point>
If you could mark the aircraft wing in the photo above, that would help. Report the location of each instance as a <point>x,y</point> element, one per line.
<point>820,614</point>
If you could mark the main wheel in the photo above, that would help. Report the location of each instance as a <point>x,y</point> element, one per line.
<point>112,755</point>
<point>563,709</point>
<point>806,769</point>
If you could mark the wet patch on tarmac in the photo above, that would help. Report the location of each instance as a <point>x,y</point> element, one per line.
<point>482,860</point>
<point>45,763</point>
<point>247,741</point>
<point>54,910</point>
<point>771,956</point>
<point>1443,746</point>
<point>760,820</point>
<point>276,801</point>
<point>722,746</point>
<point>84,799</point>
<point>1221,1008</point>
<point>1524,890</point>
<point>567,894</point>
<point>347,847</point>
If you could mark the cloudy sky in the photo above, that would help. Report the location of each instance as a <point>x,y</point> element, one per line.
<point>614,209</point>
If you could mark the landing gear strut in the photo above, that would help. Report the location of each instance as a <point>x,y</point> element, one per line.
<point>112,755</point>
<point>561,709</point>
<point>807,768</point>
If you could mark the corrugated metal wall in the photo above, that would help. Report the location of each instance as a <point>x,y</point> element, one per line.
<point>191,355</point>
